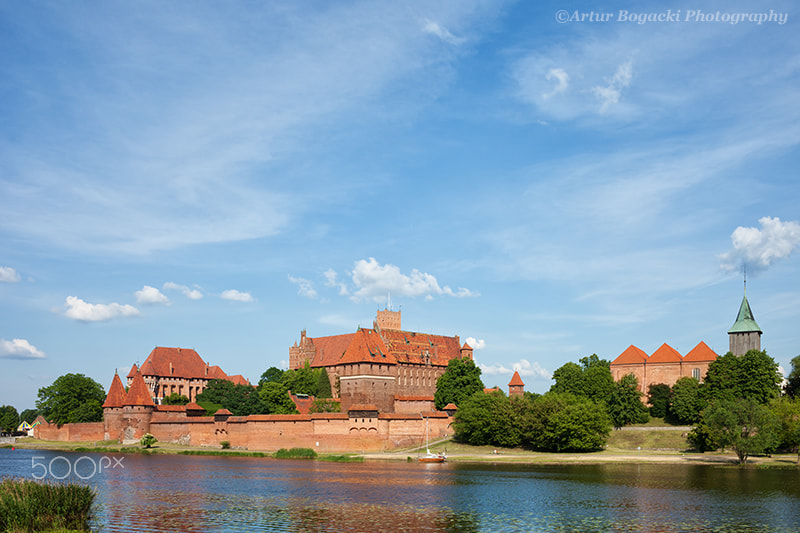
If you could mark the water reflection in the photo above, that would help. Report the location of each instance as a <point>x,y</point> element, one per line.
<point>188,493</point>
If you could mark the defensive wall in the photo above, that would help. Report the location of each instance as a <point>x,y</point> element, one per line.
<point>324,432</point>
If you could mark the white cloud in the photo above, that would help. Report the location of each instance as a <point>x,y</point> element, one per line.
<point>305,287</point>
<point>441,32</point>
<point>331,280</point>
<point>523,366</point>
<point>19,349</point>
<point>86,312</point>
<point>237,296</point>
<point>758,248</point>
<point>8,275</point>
<point>562,81</point>
<point>375,281</point>
<point>477,344</point>
<point>192,294</point>
<point>609,95</point>
<point>150,295</point>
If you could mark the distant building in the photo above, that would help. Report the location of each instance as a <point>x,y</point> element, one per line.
<point>384,367</point>
<point>516,387</point>
<point>667,366</point>
<point>178,370</point>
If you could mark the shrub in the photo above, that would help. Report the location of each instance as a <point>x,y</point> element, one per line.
<point>295,453</point>
<point>225,445</point>
<point>27,505</point>
<point>148,440</point>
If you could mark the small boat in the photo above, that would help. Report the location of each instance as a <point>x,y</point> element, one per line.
<point>430,457</point>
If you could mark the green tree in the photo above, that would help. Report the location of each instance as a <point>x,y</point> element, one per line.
<point>72,398</point>
<point>658,398</point>
<point>325,405</point>
<point>485,420</point>
<point>754,375</point>
<point>745,425</point>
<point>591,379</point>
<point>625,404</point>
<point>275,397</point>
<point>28,415</point>
<point>561,422</point>
<point>175,399</point>
<point>568,379</point>
<point>323,384</point>
<point>787,411</point>
<point>241,400</point>
<point>9,418</point>
<point>461,380</point>
<point>301,380</point>
<point>148,440</point>
<point>686,400</point>
<point>793,379</point>
<point>272,374</point>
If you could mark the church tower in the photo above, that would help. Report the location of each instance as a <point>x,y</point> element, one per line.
<point>744,335</point>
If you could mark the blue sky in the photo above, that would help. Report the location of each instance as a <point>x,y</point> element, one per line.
<point>221,175</point>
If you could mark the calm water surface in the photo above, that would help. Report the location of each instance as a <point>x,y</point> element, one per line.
<point>191,493</point>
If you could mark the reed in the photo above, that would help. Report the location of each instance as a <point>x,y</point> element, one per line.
<point>27,505</point>
<point>295,453</point>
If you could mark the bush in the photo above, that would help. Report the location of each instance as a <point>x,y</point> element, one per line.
<point>27,505</point>
<point>226,445</point>
<point>148,440</point>
<point>295,453</point>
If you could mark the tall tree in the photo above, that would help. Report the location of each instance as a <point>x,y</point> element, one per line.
<point>461,380</point>
<point>9,418</point>
<point>686,401</point>
<point>72,398</point>
<point>323,384</point>
<point>743,424</point>
<point>793,379</point>
<point>591,379</point>
<point>625,403</point>
<point>754,375</point>
<point>301,380</point>
<point>272,374</point>
<point>658,398</point>
<point>276,398</point>
<point>28,415</point>
<point>561,422</point>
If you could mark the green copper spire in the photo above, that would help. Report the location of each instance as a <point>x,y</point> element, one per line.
<point>745,323</point>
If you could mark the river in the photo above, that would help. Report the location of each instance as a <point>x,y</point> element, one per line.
<point>196,493</point>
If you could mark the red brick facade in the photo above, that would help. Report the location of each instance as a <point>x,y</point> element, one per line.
<point>665,365</point>
<point>379,365</point>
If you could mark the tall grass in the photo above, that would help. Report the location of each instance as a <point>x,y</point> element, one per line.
<point>27,505</point>
<point>295,453</point>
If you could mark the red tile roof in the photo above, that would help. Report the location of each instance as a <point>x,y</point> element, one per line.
<point>700,353</point>
<point>171,408</point>
<point>138,393</point>
<point>182,363</point>
<point>516,381</point>
<point>493,389</point>
<point>330,349</point>
<point>302,403</point>
<point>665,354</point>
<point>116,393</point>
<point>412,347</point>
<point>367,346</point>
<point>450,407</point>
<point>223,411</point>
<point>631,355</point>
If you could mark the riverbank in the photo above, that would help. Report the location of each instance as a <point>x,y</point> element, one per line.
<point>653,446</point>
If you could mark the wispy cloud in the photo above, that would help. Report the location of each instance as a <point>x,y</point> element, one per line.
<point>236,296</point>
<point>441,32</point>
<point>304,287</point>
<point>87,312</point>
<point>19,349</point>
<point>192,294</point>
<point>477,344</point>
<point>757,248</point>
<point>9,275</point>
<point>523,366</point>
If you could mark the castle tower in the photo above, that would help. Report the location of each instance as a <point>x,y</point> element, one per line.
<point>516,387</point>
<point>744,335</point>
<point>387,319</point>
<point>112,409</point>
<point>137,410</point>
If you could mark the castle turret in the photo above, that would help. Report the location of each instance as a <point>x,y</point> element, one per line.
<point>516,387</point>
<point>744,335</point>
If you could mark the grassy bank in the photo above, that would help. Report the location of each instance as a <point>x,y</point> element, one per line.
<point>27,505</point>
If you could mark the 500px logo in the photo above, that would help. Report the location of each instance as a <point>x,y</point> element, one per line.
<point>84,467</point>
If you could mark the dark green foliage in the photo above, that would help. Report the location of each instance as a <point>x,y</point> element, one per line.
<point>793,379</point>
<point>301,380</point>
<point>787,411</point>
<point>565,422</point>
<point>701,439</point>
<point>276,399</point>
<point>272,374</point>
<point>744,425</point>
<point>210,407</point>
<point>148,440</point>
<point>295,453</point>
<point>9,419</point>
<point>241,400</point>
<point>325,405</point>
<point>226,444</point>
<point>686,401</point>
<point>323,384</point>
<point>553,422</point>
<point>175,399</point>
<point>461,380</point>
<point>28,415</point>
<point>27,505</point>
<point>624,404</point>
<point>754,376</point>
<point>72,398</point>
<point>591,379</point>
<point>658,398</point>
